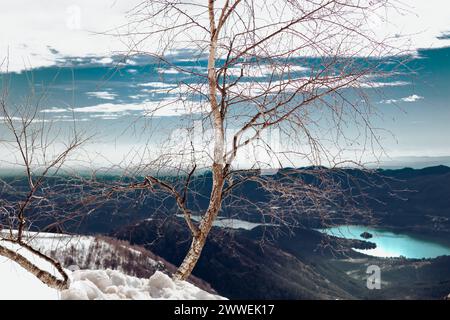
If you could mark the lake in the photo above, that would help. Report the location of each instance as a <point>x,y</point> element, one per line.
<point>391,244</point>
<point>231,223</point>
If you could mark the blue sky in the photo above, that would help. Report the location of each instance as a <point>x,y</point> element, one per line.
<point>87,78</point>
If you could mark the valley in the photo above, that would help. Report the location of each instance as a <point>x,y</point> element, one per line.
<point>245,258</point>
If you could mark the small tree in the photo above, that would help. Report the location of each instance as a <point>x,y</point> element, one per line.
<point>253,82</point>
<point>34,150</point>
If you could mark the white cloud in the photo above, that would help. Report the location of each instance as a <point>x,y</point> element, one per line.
<point>39,33</point>
<point>105,60</point>
<point>102,95</point>
<point>168,71</point>
<point>264,70</point>
<point>377,84</point>
<point>423,24</point>
<point>110,108</point>
<point>130,62</point>
<point>412,98</point>
<point>164,108</point>
<point>156,85</point>
<point>106,116</point>
<point>54,110</point>
<point>48,31</point>
<point>301,84</point>
<point>39,120</point>
<point>5,119</point>
<point>137,96</point>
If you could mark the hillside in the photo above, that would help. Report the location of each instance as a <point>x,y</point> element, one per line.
<point>242,264</point>
<point>251,264</point>
<point>413,199</point>
<point>97,268</point>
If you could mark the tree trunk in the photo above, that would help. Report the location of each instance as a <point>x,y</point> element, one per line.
<point>215,201</point>
<point>198,242</point>
<point>44,276</point>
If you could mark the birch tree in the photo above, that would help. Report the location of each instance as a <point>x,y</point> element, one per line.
<point>34,150</point>
<point>299,68</point>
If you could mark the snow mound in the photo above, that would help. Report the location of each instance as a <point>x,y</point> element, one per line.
<point>100,283</point>
<point>113,285</point>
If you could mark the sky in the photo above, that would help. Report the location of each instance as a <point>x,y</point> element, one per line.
<point>61,46</point>
<point>47,31</point>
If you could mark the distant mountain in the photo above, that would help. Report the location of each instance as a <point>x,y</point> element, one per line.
<point>413,162</point>
<point>413,199</point>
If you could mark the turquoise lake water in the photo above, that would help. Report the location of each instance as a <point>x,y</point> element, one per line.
<point>391,244</point>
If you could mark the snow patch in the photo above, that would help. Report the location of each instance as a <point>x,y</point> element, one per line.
<point>114,285</point>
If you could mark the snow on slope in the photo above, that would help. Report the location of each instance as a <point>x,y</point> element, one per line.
<point>17,283</point>
<point>111,284</point>
<point>85,252</point>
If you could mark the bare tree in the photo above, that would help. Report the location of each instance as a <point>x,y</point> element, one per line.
<point>34,150</point>
<point>294,68</point>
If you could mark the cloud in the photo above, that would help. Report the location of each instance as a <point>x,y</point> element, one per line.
<point>157,85</point>
<point>39,120</point>
<point>248,87</point>
<point>376,84</point>
<point>412,98</point>
<point>102,95</point>
<point>420,23</point>
<point>110,108</point>
<point>162,108</point>
<point>5,119</point>
<point>105,60</point>
<point>51,31</point>
<point>444,36</point>
<point>264,70</point>
<point>138,96</point>
<point>54,110</point>
<point>106,116</point>
<point>168,71</point>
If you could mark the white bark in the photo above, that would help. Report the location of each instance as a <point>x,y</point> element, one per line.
<point>42,275</point>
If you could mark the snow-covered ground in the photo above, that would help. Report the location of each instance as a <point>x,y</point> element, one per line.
<point>17,283</point>
<point>112,284</point>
